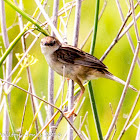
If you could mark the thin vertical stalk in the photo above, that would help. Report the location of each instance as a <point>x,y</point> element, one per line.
<point>71,83</point>
<point>26,16</point>
<point>128,78</point>
<point>8,68</point>
<point>31,86</point>
<point>120,33</point>
<point>49,20</point>
<point>58,109</point>
<point>70,106</point>
<point>138,133</point>
<point>133,49</point>
<point>22,41</point>
<point>91,93</point>
<point>51,77</point>
<point>10,120</point>
<point>23,116</point>
<point>20,22</point>
<point>77,22</point>
<point>123,93</point>
<point>95,27</point>
<point>50,100</point>
<point>94,110</point>
<point>26,137</point>
<point>129,116</point>
<point>12,44</point>
<point>24,49</point>
<point>127,33</point>
<point>32,98</point>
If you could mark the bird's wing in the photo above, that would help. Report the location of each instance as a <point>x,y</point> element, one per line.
<point>76,56</point>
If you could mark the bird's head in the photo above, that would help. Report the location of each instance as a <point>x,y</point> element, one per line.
<point>49,45</point>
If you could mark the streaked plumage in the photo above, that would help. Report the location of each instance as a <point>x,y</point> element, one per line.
<point>79,65</point>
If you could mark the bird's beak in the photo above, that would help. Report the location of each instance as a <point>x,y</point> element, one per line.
<point>41,43</point>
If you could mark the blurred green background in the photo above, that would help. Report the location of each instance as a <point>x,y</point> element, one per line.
<point>106,91</point>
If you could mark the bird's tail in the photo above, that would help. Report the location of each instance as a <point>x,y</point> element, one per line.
<point>112,77</point>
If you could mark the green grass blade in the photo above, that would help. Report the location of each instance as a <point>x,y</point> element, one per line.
<point>92,99</point>
<point>11,46</point>
<point>25,15</point>
<point>10,120</point>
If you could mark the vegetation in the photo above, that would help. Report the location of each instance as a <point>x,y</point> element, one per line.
<point>110,29</point>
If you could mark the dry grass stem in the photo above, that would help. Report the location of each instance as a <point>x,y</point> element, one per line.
<point>53,114</point>
<point>59,91</point>
<point>129,116</point>
<point>80,106</point>
<point>44,102</point>
<point>46,125</point>
<point>23,57</point>
<point>25,105</point>
<point>31,88</point>
<point>9,28</point>
<point>87,130</point>
<point>71,83</point>
<point>91,30</point>
<point>128,78</point>
<point>132,122</point>
<point>78,110</point>
<point>49,20</point>
<point>2,105</point>
<point>138,133</point>
<point>127,33</point>
<point>120,33</point>
<point>85,136</point>
<point>83,121</point>
<point>51,76</point>
<point>115,124</point>
<point>31,94</point>
<point>8,69</point>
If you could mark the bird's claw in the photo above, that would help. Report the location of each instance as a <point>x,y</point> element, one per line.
<point>68,114</point>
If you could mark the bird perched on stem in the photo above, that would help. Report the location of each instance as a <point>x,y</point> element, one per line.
<point>79,65</point>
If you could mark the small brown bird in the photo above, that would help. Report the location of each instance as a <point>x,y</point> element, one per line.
<point>79,65</point>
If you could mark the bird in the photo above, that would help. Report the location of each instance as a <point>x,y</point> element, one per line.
<point>79,66</point>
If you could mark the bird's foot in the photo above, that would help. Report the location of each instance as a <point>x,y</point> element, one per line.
<point>68,79</point>
<point>68,114</point>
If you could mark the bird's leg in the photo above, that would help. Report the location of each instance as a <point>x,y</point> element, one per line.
<point>71,112</point>
<point>68,79</point>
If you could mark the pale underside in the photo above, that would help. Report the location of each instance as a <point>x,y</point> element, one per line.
<point>74,71</point>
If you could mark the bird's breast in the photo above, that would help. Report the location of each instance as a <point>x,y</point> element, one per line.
<point>72,71</point>
<point>60,68</point>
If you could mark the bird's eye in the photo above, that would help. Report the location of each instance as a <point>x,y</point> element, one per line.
<point>45,43</point>
<point>52,43</point>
